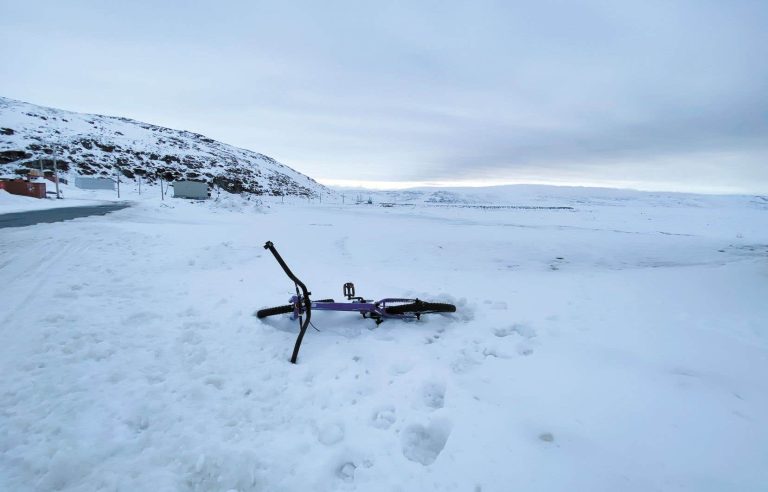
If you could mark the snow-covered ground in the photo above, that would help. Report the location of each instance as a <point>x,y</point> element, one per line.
<point>620,345</point>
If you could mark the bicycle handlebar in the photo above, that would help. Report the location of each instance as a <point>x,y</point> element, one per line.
<point>299,284</point>
<point>271,248</point>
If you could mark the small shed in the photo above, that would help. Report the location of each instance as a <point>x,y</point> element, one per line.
<point>197,190</point>
<point>20,187</point>
<point>87,183</point>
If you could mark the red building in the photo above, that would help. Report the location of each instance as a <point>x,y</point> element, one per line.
<point>21,187</point>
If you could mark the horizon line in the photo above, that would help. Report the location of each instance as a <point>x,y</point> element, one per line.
<point>378,185</point>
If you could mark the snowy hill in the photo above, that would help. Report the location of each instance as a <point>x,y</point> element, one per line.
<point>89,144</point>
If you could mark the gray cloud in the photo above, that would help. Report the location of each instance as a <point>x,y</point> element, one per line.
<point>555,90</point>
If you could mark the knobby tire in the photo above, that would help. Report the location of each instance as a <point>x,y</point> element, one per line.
<point>421,308</point>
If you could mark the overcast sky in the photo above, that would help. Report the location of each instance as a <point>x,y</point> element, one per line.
<point>666,95</point>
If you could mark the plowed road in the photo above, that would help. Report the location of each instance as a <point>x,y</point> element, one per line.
<point>22,219</point>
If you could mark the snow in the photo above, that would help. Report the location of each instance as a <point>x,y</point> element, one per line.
<point>618,345</point>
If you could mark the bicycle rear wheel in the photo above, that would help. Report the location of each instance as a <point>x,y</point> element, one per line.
<point>421,307</point>
<point>263,313</point>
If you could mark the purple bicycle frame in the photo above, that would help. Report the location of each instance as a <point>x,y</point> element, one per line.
<point>375,310</point>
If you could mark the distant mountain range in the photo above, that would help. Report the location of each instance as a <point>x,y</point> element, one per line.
<point>94,145</point>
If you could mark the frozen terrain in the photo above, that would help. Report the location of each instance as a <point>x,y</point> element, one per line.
<point>621,344</point>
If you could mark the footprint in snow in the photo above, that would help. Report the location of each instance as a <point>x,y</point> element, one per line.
<point>384,417</point>
<point>524,348</point>
<point>423,444</point>
<point>331,434</point>
<point>464,363</point>
<point>141,318</point>
<point>522,330</point>
<point>546,437</point>
<point>346,471</point>
<point>434,395</point>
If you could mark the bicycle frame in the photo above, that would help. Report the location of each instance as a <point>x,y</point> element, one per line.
<point>369,309</point>
<point>303,305</point>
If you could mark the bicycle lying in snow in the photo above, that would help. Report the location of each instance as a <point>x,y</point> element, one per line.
<point>301,306</point>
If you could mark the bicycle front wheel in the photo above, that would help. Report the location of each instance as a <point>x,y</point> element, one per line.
<point>421,307</point>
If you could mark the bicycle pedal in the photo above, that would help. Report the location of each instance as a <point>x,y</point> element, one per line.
<point>349,290</point>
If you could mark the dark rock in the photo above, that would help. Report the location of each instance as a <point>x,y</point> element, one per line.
<point>6,131</point>
<point>85,169</point>
<point>8,156</point>
<point>168,174</point>
<point>105,148</point>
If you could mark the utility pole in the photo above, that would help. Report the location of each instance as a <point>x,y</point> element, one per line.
<point>139,184</point>
<point>56,175</point>
<point>118,181</point>
<point>162,195</point>
<point>342,198</point>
